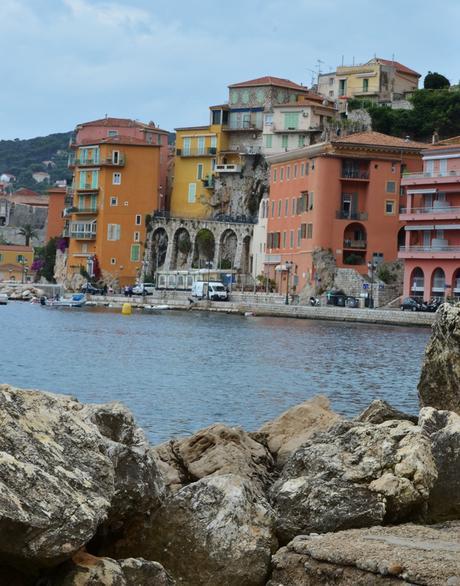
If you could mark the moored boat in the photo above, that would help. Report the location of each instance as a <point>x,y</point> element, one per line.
<point>3,298</point>
<point>76,300</point>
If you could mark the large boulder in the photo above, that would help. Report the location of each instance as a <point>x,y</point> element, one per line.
<point>354,475</point>
<point>383,556</point>
<point>443,429</point>
<point>295,426</point>
<point>68,471</point>
<point>218,530</point>
<point>379,411</point>
<point>439,384</point>
<point>85,569</point>
<point>215,450</point>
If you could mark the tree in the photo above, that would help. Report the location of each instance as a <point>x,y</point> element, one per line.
<point>435,81</point>
<point>45,258</point>
<point>28,232</point>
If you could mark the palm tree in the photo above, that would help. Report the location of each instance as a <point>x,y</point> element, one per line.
<point>28,232</point>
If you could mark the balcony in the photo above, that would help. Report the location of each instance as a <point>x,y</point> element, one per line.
<point>355,244</point>
<point>293,130</point>
<point>118,161</point>
<point>427,175</point>
<point>82,211</point>
<point>208,182</point>
<point>346,215</point>
<point>442,212</point>
<point>82,235</point>
<point>430,178</point>
<point>227,168</point>
<point>209,152</point>
<point>88,187</point>
<point>447,251</point>
<point>245,126</point>
<point>355,175</point>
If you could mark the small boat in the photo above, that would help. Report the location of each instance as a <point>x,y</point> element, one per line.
<point>77,300</point>
<point>155,308</point>
<point>3,298</point>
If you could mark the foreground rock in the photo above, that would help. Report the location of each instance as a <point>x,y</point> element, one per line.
<point>439,385</point>
<point>86,569</point>
<point>443,429</point>
<point>218,530</point>
<point>354,475</point>
<point>215,450</point>
<point>406,554</point>
<point>380,411</point>
<point>61,478</point>
<point>296,425</point>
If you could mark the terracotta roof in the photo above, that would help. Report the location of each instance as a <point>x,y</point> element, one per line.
<point>16,248</point>
<point>8,266</point>
<point>120,122</point>
<point>373,138</point>
<point>26,191</point>
<point>126,140</point>
<point>399,66</point>
<point>205,127</point>
<point>270,80</point>
<point>29,200</point>
<point>448,143</point>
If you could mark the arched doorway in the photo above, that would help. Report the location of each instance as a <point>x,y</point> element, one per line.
<point>228,244</point>
<point>417,283</point>
<point>401,241</point>
<point>438,283</point>
<point>158,249</point>
<point>456,284</point>
<point>182,247</point>
<point>354,244</point>
<point>204,248</point>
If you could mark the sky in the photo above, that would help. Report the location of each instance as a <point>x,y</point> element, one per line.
<point>71,61</point>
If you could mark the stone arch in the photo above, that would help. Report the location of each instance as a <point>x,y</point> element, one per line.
<point>159,248</point>
<point>228,243</point>
<point>354,244</point>
<point>456,283</point>
<point>204,248</point>
<point>438,283</point>
<point>417,283</point>
<point>245,255</point>
<point>181,248</point>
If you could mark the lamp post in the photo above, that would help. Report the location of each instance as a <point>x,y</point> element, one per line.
<point>288,266</point>
<point>208,264</point>
<point>23,263</point>
<point>371,267</point>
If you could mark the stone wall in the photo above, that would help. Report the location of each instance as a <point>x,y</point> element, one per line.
<point>352,283</point>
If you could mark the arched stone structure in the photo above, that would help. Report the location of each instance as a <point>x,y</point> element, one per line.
<point>417,283</point>
<point>438,283</point>
<point>158,247</point>
<point>227,249</point>
<point>204,248</point>
<point>354,244</point>
<point>173,227</point>
<point>182,247</point>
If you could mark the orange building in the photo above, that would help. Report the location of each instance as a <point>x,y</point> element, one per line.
<point>116,185</point>
<point>16,262</point>
<point>56,205</point>
<point>342,195</point>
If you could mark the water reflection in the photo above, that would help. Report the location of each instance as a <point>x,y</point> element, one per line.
<point>180,371</point>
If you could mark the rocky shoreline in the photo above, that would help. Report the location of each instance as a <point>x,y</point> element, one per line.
<point>311,498</point>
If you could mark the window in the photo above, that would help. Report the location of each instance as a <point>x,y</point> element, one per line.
<point>443,167</point>
<point>284,239</point>
<point>291,243</point>
<point>279,208</point>
<point>302,169</point>
<point>213,142</point>
<point>116,179</point>
<point>301,142</point>
<point>126,204</point>
<point>299,237</point>
<point>199,171</point>
<point>191,198</point>
<point>113,231</point>
<point>342,87</point>
<point>389,207</point>
<point>293,206</point>
<point>284,141</point>
<point>135,252</point>
<point>309,230</point>
<point>186,143</point>
<point>307,168</point>
<point>281,173</point>
<point>310,200</point>
<point>391,187</point>
<point>303,230</point>
<point>160,139</point>
<point>201,145</point>
<point>286,207</point>
<point>288,172</point>
<point>20,258</point>
<point>393,167</point>
<point>429,167</point>
<point>365,85</point>
<point>149,137</point>
<point>112,133</point>
<point>137,236</point>
<point>113,261</point>
<point>273,209</point>
<point>1,257</point>
<point>274,175</point>
<point>268,119</point>
<point>138,219</point>
<point>291,120</point>
<point>116,157</point>
<point>113,201</point>
<point>295,170</point>
<point>268,140</point>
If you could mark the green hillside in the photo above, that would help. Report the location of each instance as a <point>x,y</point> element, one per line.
<point>21,158</point>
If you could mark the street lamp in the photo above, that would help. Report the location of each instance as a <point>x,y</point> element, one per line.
<point>288,266</point>
<point>23,263</point>
<point>371,267</point>
<point>208,264</point>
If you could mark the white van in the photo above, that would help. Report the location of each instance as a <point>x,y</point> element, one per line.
<point>213,290</point>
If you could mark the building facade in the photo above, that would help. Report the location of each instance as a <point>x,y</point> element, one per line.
<point>16,262</point>
<point>431,250</point>
<point>341,196</point>
<point>116,187</point>
<point>56,205</point>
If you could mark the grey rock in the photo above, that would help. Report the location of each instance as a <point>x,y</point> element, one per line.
<point>215,450</point>
<point>443,429</point>
<point>380,411</point>
<point>218,530</point>
<point>354,475</point>
<point>387,556</point>
<point>439,384</point>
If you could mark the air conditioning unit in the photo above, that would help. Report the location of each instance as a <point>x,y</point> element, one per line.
<point>304,114</point>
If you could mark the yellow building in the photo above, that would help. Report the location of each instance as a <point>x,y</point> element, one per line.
<point>115,187</point>
<point>16,262</point>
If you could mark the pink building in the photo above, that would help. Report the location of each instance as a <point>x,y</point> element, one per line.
<point>432,216</point>
<point>110,128</point>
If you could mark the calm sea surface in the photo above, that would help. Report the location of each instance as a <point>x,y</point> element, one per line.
<point>180,371</point>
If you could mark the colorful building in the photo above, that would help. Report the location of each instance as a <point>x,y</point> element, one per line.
<point>343,196</point>
<point>431,250</point>
<point>379,80</point>
<point>16,262</point>
<point>116,187</point>
<point>56,206</point>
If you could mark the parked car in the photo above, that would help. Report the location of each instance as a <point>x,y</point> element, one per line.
<point>411,304</point>
<point>351,302</point>
<point>91,289</point>
<point>144,289</point>
<point>336,297</point>
<point>433,304</point>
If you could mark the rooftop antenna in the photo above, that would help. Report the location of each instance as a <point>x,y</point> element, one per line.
<point>343,57</point>
<point>318,61</point>
<point>313,74</point>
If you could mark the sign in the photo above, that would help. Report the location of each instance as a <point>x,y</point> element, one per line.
<point>446,286</point>
<point>365,285</point>
<point>381,287</point>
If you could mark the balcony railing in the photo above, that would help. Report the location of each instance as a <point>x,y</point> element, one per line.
<point>355,174</point>
<point>87,187</point>
<point>245,125</point>
<point>359,244</point>
<point>227,168</point>
<point>225,218</point>
<point>345,215</point>
<point>431,249</point>
<point>90,210</point>
<point>444,209</point>
<point>82,235</point>
<point>206,152</point>
<point>96,161</point>
<point>429,175</point>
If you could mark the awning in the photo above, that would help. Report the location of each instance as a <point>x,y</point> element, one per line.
<point>424,227</point>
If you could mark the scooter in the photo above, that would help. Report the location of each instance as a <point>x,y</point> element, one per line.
<point>314,301</point>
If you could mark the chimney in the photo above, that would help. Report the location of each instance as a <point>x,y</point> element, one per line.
<point>435,137</point>
<point>407,139</point>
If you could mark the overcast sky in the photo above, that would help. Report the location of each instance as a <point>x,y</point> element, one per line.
<point>70,61</point>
